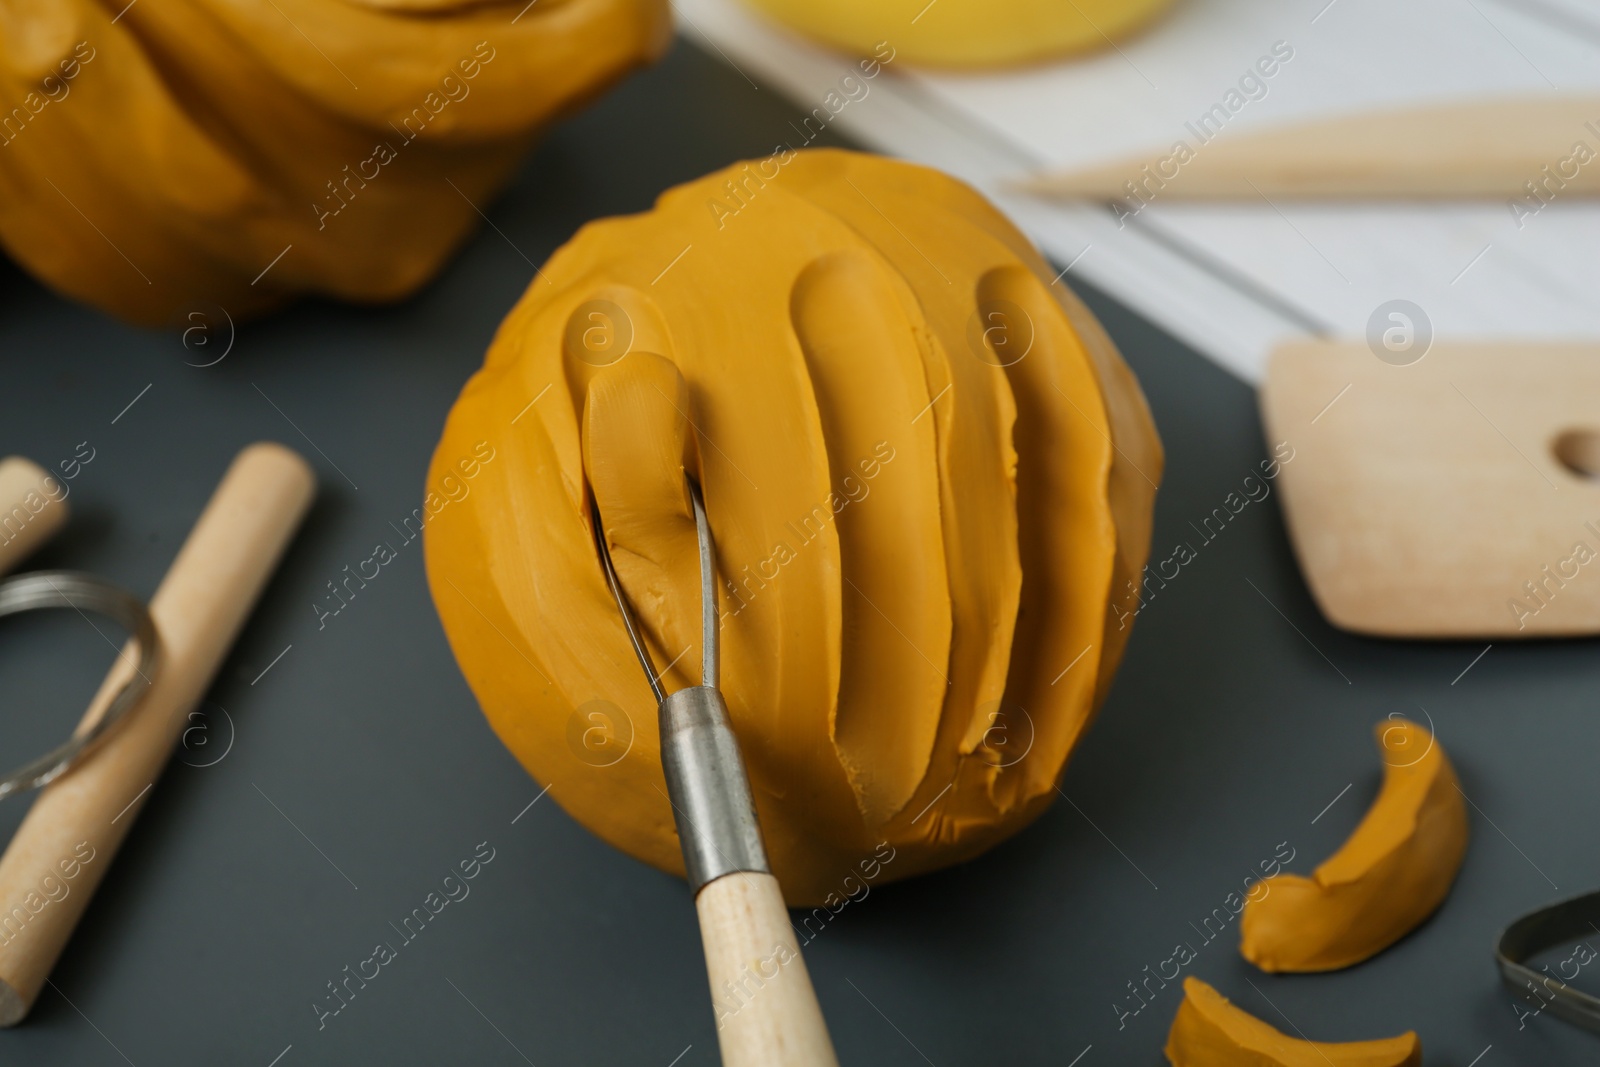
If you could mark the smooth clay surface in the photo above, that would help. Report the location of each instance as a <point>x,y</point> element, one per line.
<point>929,477</point>
<point>162,159</point>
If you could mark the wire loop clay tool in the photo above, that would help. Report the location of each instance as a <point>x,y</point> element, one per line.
<point>83,592</point>
<point>1569,921</point>
<point>33,506</point>
<point>95,784</point>
<point>767,1012</point>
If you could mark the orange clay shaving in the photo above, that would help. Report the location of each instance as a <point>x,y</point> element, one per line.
<point>1391,874</point>
<point>1210,1032</point>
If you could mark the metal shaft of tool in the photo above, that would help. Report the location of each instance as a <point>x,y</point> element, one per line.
<point>700,757</point>
<point>710,618</point>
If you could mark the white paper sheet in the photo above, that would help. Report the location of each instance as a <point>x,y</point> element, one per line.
<point>1234,280</point>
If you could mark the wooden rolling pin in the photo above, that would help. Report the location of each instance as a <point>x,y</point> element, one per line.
<point>67,841</point>
<point>33,505</point>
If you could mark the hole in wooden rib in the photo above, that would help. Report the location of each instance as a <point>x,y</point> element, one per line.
<point>1579,452</point>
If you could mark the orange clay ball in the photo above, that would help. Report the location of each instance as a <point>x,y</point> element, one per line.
<point>929,478</point>
<point>189,153</point>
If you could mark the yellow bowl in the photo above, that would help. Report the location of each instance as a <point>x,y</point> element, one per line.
<point>966,33</point>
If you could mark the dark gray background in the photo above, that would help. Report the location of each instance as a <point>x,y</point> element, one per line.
<point>1226,734</point>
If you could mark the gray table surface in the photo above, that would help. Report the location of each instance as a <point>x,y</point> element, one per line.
<point>360,768</point>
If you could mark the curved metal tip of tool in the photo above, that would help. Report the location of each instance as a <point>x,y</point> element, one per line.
<point>710,619</point>
<point>622,603</point>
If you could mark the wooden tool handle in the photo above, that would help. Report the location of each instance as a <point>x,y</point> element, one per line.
<point>66,842</point>
<point>33,505</point>
<point>767,1013</point>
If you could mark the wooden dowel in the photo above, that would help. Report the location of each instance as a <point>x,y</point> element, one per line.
<point>33,505</point>
<point>767,1013</point>
<point>68,839</point>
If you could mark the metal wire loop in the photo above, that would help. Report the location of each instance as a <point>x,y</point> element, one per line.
<point>82,592</point>
<point>710,664</point>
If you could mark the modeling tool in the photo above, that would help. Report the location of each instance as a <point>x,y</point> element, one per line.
<point>1540,148</point>
<point>1568,922</point>
<point>83,593</point>
<point>1447,489</point>
<point>33,505</point>
<point>744,925</point>
<point>79,820</point>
